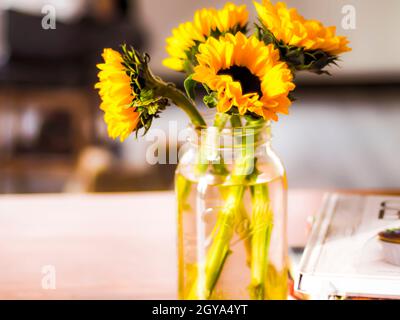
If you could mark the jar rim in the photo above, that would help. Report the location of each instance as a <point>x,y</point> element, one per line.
<point>257,133</point>
<point>261,124</point>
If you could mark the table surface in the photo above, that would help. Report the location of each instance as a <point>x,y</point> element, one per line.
<point>102,246</point>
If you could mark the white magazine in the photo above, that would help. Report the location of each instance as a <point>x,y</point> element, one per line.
<point>343,256</point>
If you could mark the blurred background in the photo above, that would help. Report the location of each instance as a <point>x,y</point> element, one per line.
<point>343,131</point>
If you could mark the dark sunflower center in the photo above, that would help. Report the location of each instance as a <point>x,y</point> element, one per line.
<point>249,82</point>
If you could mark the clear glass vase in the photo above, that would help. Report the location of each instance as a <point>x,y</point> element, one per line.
<point>231,200</point>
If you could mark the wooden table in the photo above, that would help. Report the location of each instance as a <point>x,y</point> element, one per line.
<point>104,246</point>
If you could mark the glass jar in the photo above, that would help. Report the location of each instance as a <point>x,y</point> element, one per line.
<point>231,194</point>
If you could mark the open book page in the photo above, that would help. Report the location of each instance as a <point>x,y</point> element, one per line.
<point>344,255</point>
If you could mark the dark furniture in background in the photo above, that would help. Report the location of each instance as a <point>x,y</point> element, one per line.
<point>51,73</point>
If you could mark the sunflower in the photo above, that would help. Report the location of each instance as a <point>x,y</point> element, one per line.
<point>182,45</point>
<point>289,26</point>
<point>131,95</point>
<point>246,74</point>
<point>117,96</point>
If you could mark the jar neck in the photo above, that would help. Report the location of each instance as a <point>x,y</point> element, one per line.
<point>250,136</point>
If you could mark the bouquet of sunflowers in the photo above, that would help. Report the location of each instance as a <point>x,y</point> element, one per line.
<point>247,77</point>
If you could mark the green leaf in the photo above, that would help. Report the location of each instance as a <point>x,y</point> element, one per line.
<point>190,87</point>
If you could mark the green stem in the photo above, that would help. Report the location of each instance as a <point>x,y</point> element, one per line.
<point>220,246</point>
<point>235,121</point>
<point>242,218</point>
<point>182,187</point>
<point>220,120</point>
<point>181,101</point>
<point>201,167</point>
<point>262,224</point>
<point>183,190</point>
<point>244,231</point>
<point>224,229</point>
<point>218,252</point>
<point>244,169</point>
